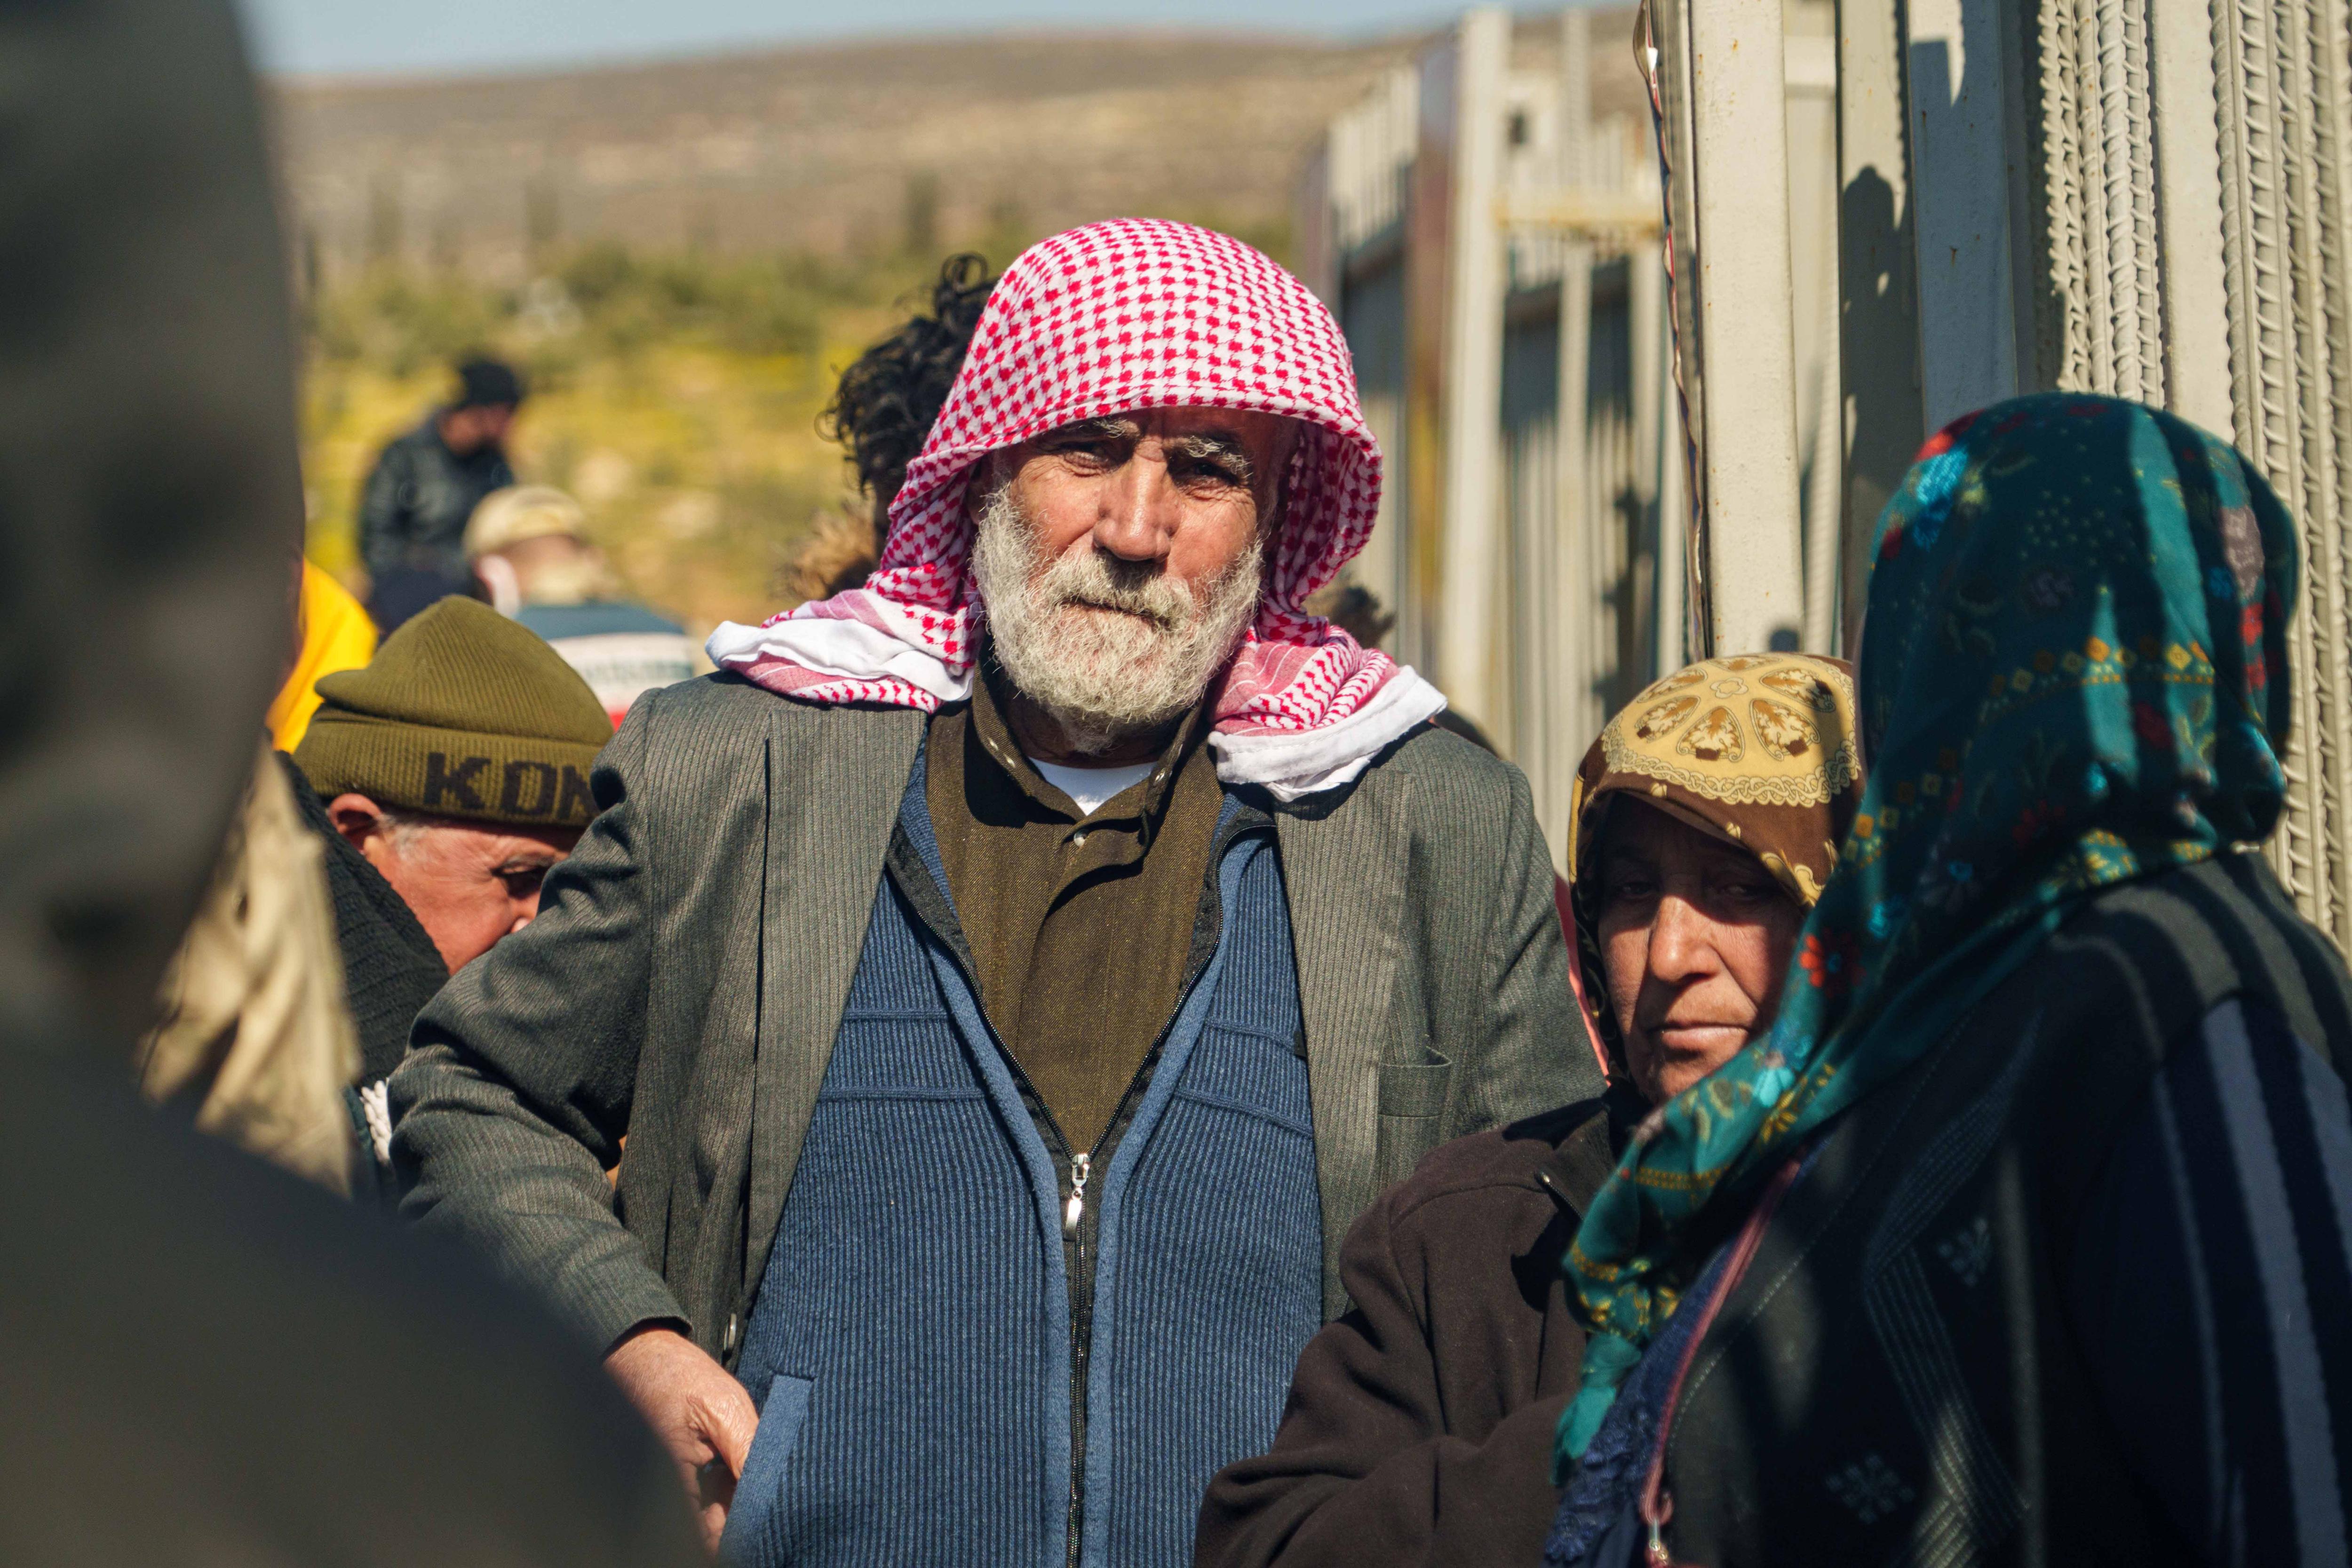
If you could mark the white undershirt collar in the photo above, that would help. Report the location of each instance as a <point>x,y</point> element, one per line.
<point>1091,789</point>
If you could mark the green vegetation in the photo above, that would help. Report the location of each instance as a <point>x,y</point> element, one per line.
<point>677,395</point>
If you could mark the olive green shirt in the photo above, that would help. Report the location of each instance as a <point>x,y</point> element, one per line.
<point>1080,926</point>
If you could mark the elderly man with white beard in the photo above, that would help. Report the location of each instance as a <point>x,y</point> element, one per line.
<point>1012,976</point>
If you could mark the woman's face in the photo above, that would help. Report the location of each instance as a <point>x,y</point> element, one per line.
<point>1695,935</point>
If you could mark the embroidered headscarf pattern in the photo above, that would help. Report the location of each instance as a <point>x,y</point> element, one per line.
<point>2075,674</point>
<point>1103,320</point>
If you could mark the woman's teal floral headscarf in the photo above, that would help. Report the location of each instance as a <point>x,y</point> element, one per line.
<point>2074,674</point>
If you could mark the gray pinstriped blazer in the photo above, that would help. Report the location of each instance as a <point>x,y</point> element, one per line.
<point>686,974</point>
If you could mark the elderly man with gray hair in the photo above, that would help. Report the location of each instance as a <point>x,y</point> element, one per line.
<point>444,781</point>
<point>1012,976</point>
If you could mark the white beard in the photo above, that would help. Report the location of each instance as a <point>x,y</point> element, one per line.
<point>1103,674</point>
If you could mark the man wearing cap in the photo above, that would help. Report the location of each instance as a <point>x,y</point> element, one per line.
<point>426,484</point>
<point>446,779</point>
<point>529,549</point>
<point>1013,975</point>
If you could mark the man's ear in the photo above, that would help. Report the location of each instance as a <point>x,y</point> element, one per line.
<point>982,483</point>
<point>356,817</point>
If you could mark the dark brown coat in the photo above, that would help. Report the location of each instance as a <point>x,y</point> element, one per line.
<point>1420,1424</point>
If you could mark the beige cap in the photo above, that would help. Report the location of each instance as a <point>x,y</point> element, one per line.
<point>522,511</point>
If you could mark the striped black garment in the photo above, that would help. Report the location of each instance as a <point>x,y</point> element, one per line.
<point>2212,1292</point>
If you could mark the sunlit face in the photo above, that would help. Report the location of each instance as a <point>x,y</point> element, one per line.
<point>1695,936</point>
<point>1118,559</point>
<point>468,884</point>
<point>1184,490</point>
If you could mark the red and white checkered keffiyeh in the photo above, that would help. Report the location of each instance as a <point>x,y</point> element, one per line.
<point>1107,319</point>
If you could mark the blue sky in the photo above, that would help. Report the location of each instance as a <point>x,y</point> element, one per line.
<point>345,37</point>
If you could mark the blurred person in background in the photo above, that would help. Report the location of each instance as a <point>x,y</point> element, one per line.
<point>882,411</point>
<point>1357,611</point>
<point>333,632</point>
<point>207,1360</point>
<point>938,962</point>
<point>892,393</point>
<point>426,484</point>
<point>529,549</point>
<point>1419,1427</point>
<point>444,782</point>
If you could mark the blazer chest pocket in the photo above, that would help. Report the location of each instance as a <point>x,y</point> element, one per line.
<point>1412,1097</point>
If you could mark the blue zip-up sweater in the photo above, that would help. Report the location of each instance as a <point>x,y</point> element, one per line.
<point>945,1377</point>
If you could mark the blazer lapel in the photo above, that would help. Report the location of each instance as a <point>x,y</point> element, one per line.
<point>1343,872</point>
<point>836,777</point>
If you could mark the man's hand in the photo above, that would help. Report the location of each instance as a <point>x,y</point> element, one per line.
<point>700,1412</point>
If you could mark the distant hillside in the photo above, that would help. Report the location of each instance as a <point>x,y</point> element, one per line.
<point>683,256</point>
<point>831,150</point>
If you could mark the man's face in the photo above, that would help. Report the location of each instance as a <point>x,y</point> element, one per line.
<point>1119,558</point>
<point>1185,491</point>
<point>468,883</point>
<point>1695,936</point>
<point>468,430</point>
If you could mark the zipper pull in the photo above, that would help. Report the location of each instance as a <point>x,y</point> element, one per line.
<point>1656,1515</point>
<point>1075,1209</point>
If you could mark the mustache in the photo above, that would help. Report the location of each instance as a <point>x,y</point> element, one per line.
<point>1100,580</point>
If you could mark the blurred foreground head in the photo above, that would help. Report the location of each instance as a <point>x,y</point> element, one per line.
<point>152,494</point>
<point>208,1361</point>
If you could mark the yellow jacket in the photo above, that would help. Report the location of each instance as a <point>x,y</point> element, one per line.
<point>336,635</point>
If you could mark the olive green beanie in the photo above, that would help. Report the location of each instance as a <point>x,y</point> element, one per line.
<point>463,713</point>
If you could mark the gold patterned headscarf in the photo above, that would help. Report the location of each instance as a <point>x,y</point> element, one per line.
<point>1758,749</point>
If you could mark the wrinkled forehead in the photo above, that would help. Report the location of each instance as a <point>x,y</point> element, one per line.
<point>1246,430</point>
<point>1633,830</point>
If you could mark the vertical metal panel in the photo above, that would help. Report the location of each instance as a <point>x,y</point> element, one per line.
<point>1754,520</point>
<point>1813,198</point>
<point>2280,67</point>
<point>1678,135</point>
<point>1526,647</point>
<point>1657,456</point>
<point>1878,328</point>
<point>1314,256</point>
<point>1566,631</point>
<point>1427,232</point>
<point>1960,194</point>
<point>1472,358</point>
<point>2188,214</point>
<point>1371,315</point>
